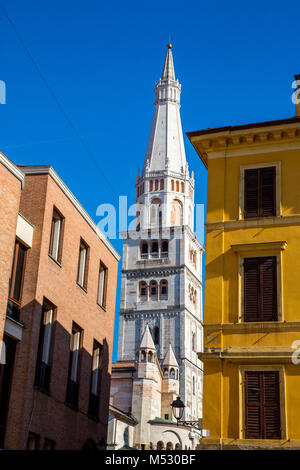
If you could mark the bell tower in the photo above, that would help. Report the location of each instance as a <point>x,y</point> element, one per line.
<point>162,258</point>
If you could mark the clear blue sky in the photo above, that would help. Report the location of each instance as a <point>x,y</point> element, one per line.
<point>235,61</point>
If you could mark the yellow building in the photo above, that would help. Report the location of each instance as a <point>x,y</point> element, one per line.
<point>252,284</point>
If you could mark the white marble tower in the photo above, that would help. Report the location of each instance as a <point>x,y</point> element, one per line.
<point>162,258</point>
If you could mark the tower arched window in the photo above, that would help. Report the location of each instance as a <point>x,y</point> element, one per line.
<point>144,250</point>
<point>172,185</point>
<point>153,290</point>
<point>156,185</point>
<point>176,213</point>
<point>182,187</point>
<point>151,185</point>
<point>193,342</point>
<point>194,386</point>
<point>143,289</point>
<point>150,356</point>
<point>164,249</point>
<point>164,289</point>
<point>154,249</point>
<point>143,356</point>
<point>155,212</point>
<point>172,373</point>
<point>166,373</point>
<point>161,185</point>
<point>177,186</point>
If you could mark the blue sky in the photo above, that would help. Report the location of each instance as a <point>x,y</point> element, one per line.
<point>235,61</point>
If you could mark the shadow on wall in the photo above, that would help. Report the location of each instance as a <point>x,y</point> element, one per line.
<point>37,402</point>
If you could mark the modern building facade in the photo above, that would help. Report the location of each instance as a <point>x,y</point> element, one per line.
<point>162,258</point>
<point>252,326</point>
<point>59,318</point>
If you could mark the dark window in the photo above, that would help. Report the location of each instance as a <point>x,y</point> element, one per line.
<point>55,248</point>
<point>43,364</point>
<point>164,289</point>
<point>262,405</point>
<point>95,380</point>
<point>82,264</point>
<point>33,441</point>
<point>260,197</point>
<point>16,281</point>
<point>144,250</point>
<point>166,416</point>
<point>156,335</point>
<point>49,444</point>
<point>143,289</point>
<point>260,291</point>
<point>153,289</point>
<point>102,285</point>
<point>74,366</point>
<point>164,249</point>
<point>6,372</point>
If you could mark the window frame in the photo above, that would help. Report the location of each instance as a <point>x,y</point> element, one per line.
<point>254,166</point>
<point>11,298</point>
<point>74,402</point>
<point>85,275</point>
<point>105,283</point>
<point>94,399</point>
<point>60,238</point>
<point>242,401</point>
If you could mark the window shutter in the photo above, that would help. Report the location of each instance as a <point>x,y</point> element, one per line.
<point>268,285</point>
<point>251,193</point>
<point>272,428</point>
<point>262,405</point>
<point>251,289</point>
<point>268,197</point>
<point>253,395</point>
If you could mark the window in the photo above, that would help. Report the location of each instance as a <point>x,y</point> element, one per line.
<point>95,380</point>
<point>161,185</point>
<point>260,289</point>
<point>194,386</point>
<point>153,289</point>
<point>154,249</point>
<point>143,289</point>
<point>172,185</point>
<point>262,405</point>
<point>55,248</point>
<point>82,264</point>
<point>16,281</point>
<point>193,342</point>
<point>176,213</point>
<point>33,441</point>
<point>43,363</point>
<point>260,197</point>
<point>151,186</point>
<point>165,249</point>
<point>156,335</point>
<point>155,212</point>
<point>182,187</point>
<point>49,444</point>
<point>177,186</point>
<point>74,365</point>
<point>144,250</point>
<point>166,416</point>
<point>164,289</point>
<point>102,285</point>
<point>156,185</point>
<point>172,373</point>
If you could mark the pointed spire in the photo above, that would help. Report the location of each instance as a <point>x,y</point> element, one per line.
<point>168,70</point>
<point>147,341</point>
<point>170,359</point>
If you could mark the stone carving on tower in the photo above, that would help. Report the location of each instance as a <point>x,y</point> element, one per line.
<point>162,264</point>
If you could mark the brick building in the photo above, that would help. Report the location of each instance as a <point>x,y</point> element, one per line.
<point>58,296</point>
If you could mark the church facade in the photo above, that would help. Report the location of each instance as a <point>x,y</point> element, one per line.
<point>161,292</point>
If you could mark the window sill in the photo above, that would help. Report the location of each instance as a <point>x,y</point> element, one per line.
<point>102,307</point>
<point>93,418</point>
<point>55,260</point>
<point>70,405</point>
<point>81,287</point>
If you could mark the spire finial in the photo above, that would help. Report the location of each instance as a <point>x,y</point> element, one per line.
<point>169,46</point>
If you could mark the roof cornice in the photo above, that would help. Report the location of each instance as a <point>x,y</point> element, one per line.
<point>12,168</point>
<point>48,170</point>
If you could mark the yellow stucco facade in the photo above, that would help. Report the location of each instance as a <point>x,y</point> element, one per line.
<point>232,345</point>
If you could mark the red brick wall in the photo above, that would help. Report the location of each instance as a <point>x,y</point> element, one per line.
<point>10,191</point>
<point>44,415</point>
